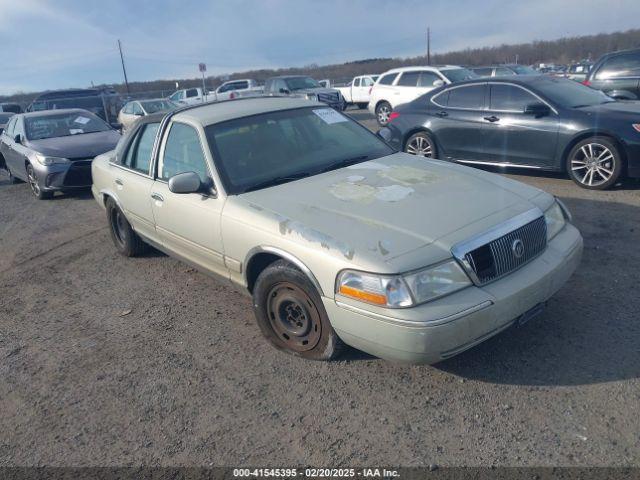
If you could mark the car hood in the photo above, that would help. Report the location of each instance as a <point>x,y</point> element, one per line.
<point>398,212</point>
<point>615,109</point>
<point>86,145</point>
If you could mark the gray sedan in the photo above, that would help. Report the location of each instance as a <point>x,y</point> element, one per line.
<point>53,150</point>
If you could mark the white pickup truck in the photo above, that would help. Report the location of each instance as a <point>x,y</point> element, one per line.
<point>245,87</point>
<point>357,91</point>
<point>189,96</point>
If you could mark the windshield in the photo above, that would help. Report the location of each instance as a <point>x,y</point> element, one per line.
<point>300,83</point>
<point>569,93</point>
<point>523,70</point>
<point>459,74</point>
<point>63,125</point>
<point>153,106</point>
<point>271,148</point>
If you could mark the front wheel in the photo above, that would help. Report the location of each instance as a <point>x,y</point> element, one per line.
<point>422,145</point>
<point>595,163</point>
<point>291,315</point>
<point>34,184</point>
<point>383,110</point>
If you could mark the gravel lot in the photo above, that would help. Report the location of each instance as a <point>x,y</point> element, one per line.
<point>114,361</point>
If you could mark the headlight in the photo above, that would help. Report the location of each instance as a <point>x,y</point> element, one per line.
<point>46,160</point>
<point>555,219</point>
<point>397,291</point>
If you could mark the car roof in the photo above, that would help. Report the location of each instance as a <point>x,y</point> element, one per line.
<point>216,112</point>
<point>46,113</point>
<point>432,68</point>
<point>523,80</point>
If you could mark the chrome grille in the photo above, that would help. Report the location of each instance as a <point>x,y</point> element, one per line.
<point>328,97</point>
<point>506,253</point>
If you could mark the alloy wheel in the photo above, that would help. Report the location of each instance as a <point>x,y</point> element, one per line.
<point>383,114</point>
<point>33,181</point>
<point>293,317</point>
<point>419,146</point>
<point>593,164</point>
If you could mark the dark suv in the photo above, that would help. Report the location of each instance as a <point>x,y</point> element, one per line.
<point>102,102</point>
<point>303,86</point>
<point>617,74</point>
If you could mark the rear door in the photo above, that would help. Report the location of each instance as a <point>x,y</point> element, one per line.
<point>513,136</point>
<point>187,224</point>
<point>406,88</point>
<point>459,121</point>
<point>132,180</point>
<point>359,91</point>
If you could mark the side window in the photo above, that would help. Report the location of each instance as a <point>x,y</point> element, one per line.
<point>510,98</point>
<point>137,109</point>
<point>471,97</point>
<point>356,82</point>
<point>242,85</point>
<point>192,92</point>
<point>367,82</point>
<point>501,72</point>
<point>183,153</point>
<point>128,109</point>
<point>409,79</point>
<point>268,86</point>
<point>388,79</point>
<point>139,153</point>
<point>280,85</point>
<point>483,72</point>
<point>427,79</point>
<point>627,65</point>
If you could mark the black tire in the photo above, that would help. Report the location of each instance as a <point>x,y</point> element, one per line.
<point>422,145</point>
<point>595,163</point>
<point>291,315</point>
<point>34,184</point>
<point>362,106</point>
<point>127,242</point>
<point>383,110</point>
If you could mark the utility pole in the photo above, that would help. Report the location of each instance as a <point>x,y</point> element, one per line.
<point>428,45</point>
<point>124,70</point>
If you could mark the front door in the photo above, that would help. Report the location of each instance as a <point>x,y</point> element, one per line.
<point>515,137</point>
<point>187,224</point>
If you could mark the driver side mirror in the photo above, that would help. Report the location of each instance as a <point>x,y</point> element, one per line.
<point>537,110</point>
<point>285,91</point>
<point>187,182</point>
<point>438,83</point>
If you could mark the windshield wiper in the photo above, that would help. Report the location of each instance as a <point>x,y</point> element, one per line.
<point>344,163</point>
<point>276,181</point>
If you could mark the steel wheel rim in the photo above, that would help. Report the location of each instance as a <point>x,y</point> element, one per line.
<point>293,317</point>
<point>593,164</point>
<point>118,226</point>
<point>33,181</point>
<point>420,146</point>
<point>383,114</point>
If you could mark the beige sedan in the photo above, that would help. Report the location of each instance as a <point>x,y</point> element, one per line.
<point>136,109</point>
<point>337,238</point>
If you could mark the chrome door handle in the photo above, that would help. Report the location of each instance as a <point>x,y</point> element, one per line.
<point>158,197</point>
<point>491,119</point>
<point>442,114</point>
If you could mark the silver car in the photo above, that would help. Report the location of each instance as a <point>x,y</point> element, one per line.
<point>337,238</point>
<point>132,111</point>
<point>52,150</point>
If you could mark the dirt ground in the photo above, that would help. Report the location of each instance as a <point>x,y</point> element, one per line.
<point>112,361</point>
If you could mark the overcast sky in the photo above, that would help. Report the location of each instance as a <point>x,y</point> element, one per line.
<point>64,43</point>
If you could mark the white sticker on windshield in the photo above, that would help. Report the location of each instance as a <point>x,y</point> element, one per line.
<point>82,120</point>
<point>75,131</point>
<point>330,116</point>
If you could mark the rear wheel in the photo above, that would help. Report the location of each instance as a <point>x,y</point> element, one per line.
<point>595,163</point>
<point>127,242</point>
<point>34,184</point>
<point>422,145</point>
<point>383,110</point>
<point>291,315</point>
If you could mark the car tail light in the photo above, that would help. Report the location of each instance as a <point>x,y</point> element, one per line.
<point>636,127</point>
<point>586,83</point>
<point>393,115</point>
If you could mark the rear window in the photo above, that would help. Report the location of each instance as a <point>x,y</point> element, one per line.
<point>409,79</point>
<point>458,74</point>
<point>471,97</point>
<point>388,79</point>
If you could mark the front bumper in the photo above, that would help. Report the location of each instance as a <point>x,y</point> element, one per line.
<point>76,174</point>
<point>443,328</point>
